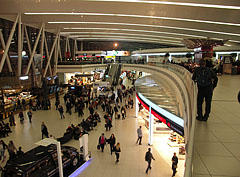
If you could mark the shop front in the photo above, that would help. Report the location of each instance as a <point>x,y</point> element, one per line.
<point>157,109</point>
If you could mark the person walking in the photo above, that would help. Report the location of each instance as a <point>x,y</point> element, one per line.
<point>108,124</point>
<point>148,158</point>
<point>60,109</point>
<point>57,103</point>
<point>44,130</point>
<point>21,116</point>
<point>102,141</point>
<point>112,141</point>
<point>123,111</point>
<point>139,133</point>
<point>174,163</point>
<point>206,82</point>
<point>29,113</point>
<point>117,151</point>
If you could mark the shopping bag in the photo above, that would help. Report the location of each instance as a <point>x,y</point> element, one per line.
<point>98,146</point>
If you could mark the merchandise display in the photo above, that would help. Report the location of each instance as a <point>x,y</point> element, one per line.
<point>176,140</point>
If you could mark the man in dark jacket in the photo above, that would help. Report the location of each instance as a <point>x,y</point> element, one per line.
<point>44,130</point>
<point>206,81</point>
<point>148,158</point>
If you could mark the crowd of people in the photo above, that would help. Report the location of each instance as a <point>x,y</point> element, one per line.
<point>114,105</point>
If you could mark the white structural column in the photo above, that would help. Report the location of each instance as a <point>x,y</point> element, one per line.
<point>151,122</point>
<point>136,107</point>
<point>34,49</point>
<point>4,46</point>
<point>60,166</point>
<point>81,47</point>
<point>8,44</point>
<point>56,57</point>
<point>59,48</point>
<point>19,45</point>
<point>50,56</point>
<point>68,44</point>
<point>42,46</point>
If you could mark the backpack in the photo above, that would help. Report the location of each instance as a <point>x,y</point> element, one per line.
<point>147,156</point>
<point>204,77</point>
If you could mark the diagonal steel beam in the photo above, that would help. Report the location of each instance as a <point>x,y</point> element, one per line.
<point>19,46</point>
<point>42,47</point>
<point>59,48</point>
<point>29,47</point>
<point>56,56</point>
<point>54,44</point>
<point>34,49</point>
<point>4,46</point>
<point>47,52</point>
<point>8,43</point>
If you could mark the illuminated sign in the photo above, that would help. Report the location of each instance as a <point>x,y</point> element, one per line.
<point>22,78</point>
<point>118,53</point>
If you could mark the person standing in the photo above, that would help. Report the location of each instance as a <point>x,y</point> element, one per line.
<point>20,152</point>
<point>206,82</point>
<point>102,141</point>
<point>11,150</point>
<point>3,148</point>
<point>139,133</point>
<point>117,151</point>
<point>29,113</point>
<point>174,163</point>
<point>112,141</point>
<point>148,158</point>
<point>12,119</point>
<point>44,130</point>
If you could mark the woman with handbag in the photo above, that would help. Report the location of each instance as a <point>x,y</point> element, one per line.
<point>117,151</point>
<point>174,163</point>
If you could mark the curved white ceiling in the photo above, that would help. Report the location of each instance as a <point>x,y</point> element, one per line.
<point>166,22</point>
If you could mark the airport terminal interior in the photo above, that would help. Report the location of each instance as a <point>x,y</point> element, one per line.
<point>72,70</point>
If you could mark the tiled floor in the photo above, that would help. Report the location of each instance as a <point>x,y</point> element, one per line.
<point>217,142</point>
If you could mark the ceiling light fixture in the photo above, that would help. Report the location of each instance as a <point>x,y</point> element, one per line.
<point>139,16</point>
<point>122,39</point>
<point>130,37</point>
<point>175,3</point>
<point>127,34</point>
<point>133,30</point>
<point>153,39</point>
<point>145,25</point>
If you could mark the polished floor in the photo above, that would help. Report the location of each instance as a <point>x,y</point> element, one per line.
<point>132,157</point>
<point>217,142</point>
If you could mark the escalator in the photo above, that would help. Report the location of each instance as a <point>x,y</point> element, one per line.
<point>112,73</point>
<point>117,74</point>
